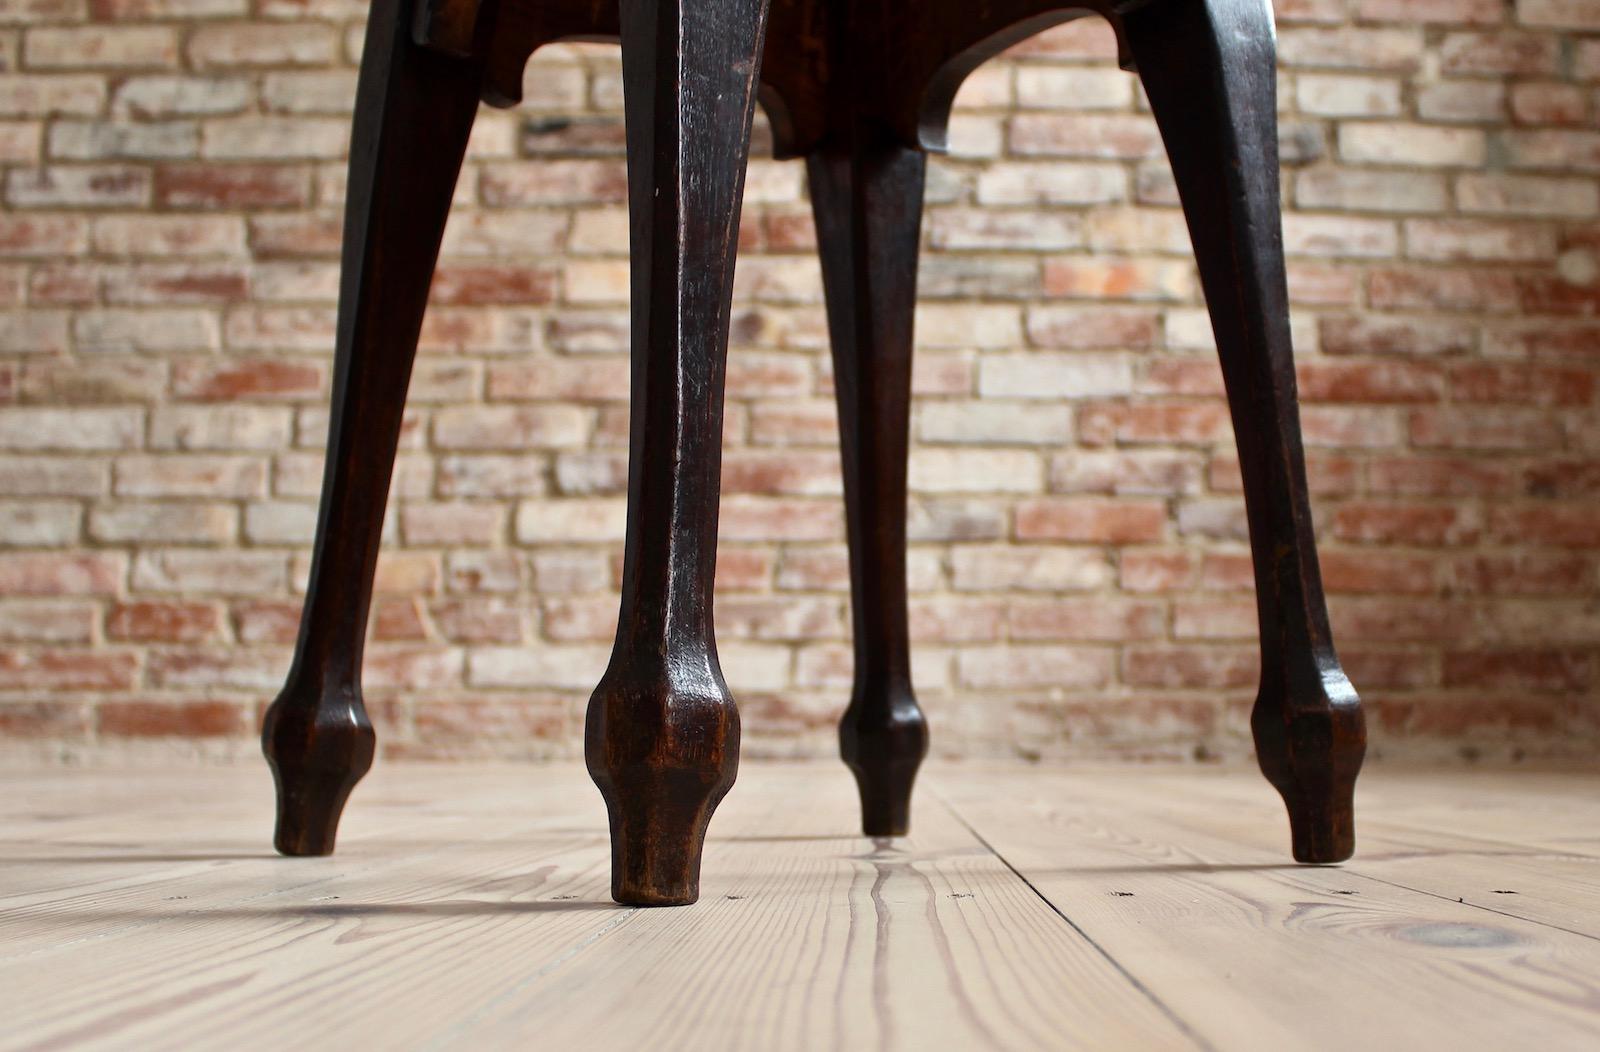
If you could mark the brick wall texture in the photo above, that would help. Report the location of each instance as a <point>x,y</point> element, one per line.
<point>173,174</point>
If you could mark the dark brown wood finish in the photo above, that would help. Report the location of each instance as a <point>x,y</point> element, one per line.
<point>1209,67</point>
<point>866,195</point>
<point>862,90</point>
<point>662,737</point>
<point>867,198</point>
<point>317,736</point>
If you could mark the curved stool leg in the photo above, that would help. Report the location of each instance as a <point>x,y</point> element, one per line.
<point>414,109</point>
<point>1208,66</point>
<point>867,200</point>
<point>662,736</point>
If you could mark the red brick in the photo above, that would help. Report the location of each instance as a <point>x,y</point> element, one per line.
<point>1439,476</point>
<point>1157,569</point>
<point>456,284</point>
<point>1191,667</point>
<point>174,719</point>
<point>1563,478</point>
<point>1396,382</point>
<point>1156,423</point>
<point>1540,670</point>
<point>1379,335</point>
<point>1419,524</point>
<point>1574,525</point>
<point>1522,383</point>
<point>221,381</point>
<point>1528,573</point>
<point>1369,572</point>
<point>65,670</point>
<point>56,721</point>
<point>1438,289</point>
<point>1500,52</point>
<point>398,619</point>
<point>1481,428</point>
<point>166,622</point>
<point>1091,521</point>
<point>232,186</point>
<point>450,729</point>
<point>1022,667</point>
<point>49,573</point>
<point>1087,620</point>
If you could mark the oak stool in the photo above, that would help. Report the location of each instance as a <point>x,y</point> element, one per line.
<point>862,90</point>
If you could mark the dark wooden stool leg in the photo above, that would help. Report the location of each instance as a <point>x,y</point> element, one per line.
<point>414,109</point>
<point>662,738</point>
<point>867,200</point>
<point>1208,66</point>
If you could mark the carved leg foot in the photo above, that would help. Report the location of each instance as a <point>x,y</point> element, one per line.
<point>319,748</point>
<point>1209,68</point>
<point>414,109</point>
<point>662,737</point>
<point>866,196</point>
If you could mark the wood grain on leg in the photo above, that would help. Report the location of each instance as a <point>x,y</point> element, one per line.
<point>1209,69</point>
<point>662,736</point>
<point>867,199</point>
<point>414,109</point>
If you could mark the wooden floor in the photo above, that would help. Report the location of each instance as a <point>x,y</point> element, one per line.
<point>1094,908</point>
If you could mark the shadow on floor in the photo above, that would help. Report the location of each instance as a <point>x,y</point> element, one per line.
<point>343,911</point>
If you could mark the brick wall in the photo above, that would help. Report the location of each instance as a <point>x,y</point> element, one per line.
<point>168,261</point>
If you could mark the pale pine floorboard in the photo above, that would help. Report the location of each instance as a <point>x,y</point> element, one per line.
<point>1033,908</point>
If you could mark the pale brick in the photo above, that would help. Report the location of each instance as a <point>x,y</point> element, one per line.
<point>500,427</point>
<point>1100,137</point>
<point>968,326</point>
<point>176,523</point>
<point>1475,239</point>
<point>101,47</point>
<point>1361,190</point>
<point>47,621</point>
<point>235,44</point>
<point>39,524</point>
<point>1467,101</point>
<point>993,228</point>
<point>21,142</point>
<point>86,141</point>
<point>1054,376</point>
<point>70,429</point>
<point>84,186</point>
<point>196,571</point>
<point>1334,95</point>
<point>169,236</point>
<point>274,138</point>
<point>157,96</point>
<point>1047,568</point>
<point>1018,667</point>
<point>282,522</point>
<point>1018,183</point>
<point>33,332</point>
<point>975,471</point>
<point>53,477</point>
<point>1412,144</point>
<point>1380,50</point>
<point>51,95</point>
<point>111,331</point>
<point>1449,12</point>
<point>1527,195</point>
<point>999,423</point>
<point>1559,14</point>
<point>586,520</point>
<point>189,475</point>
<point>1339,236</point>
<point>567,667</point>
